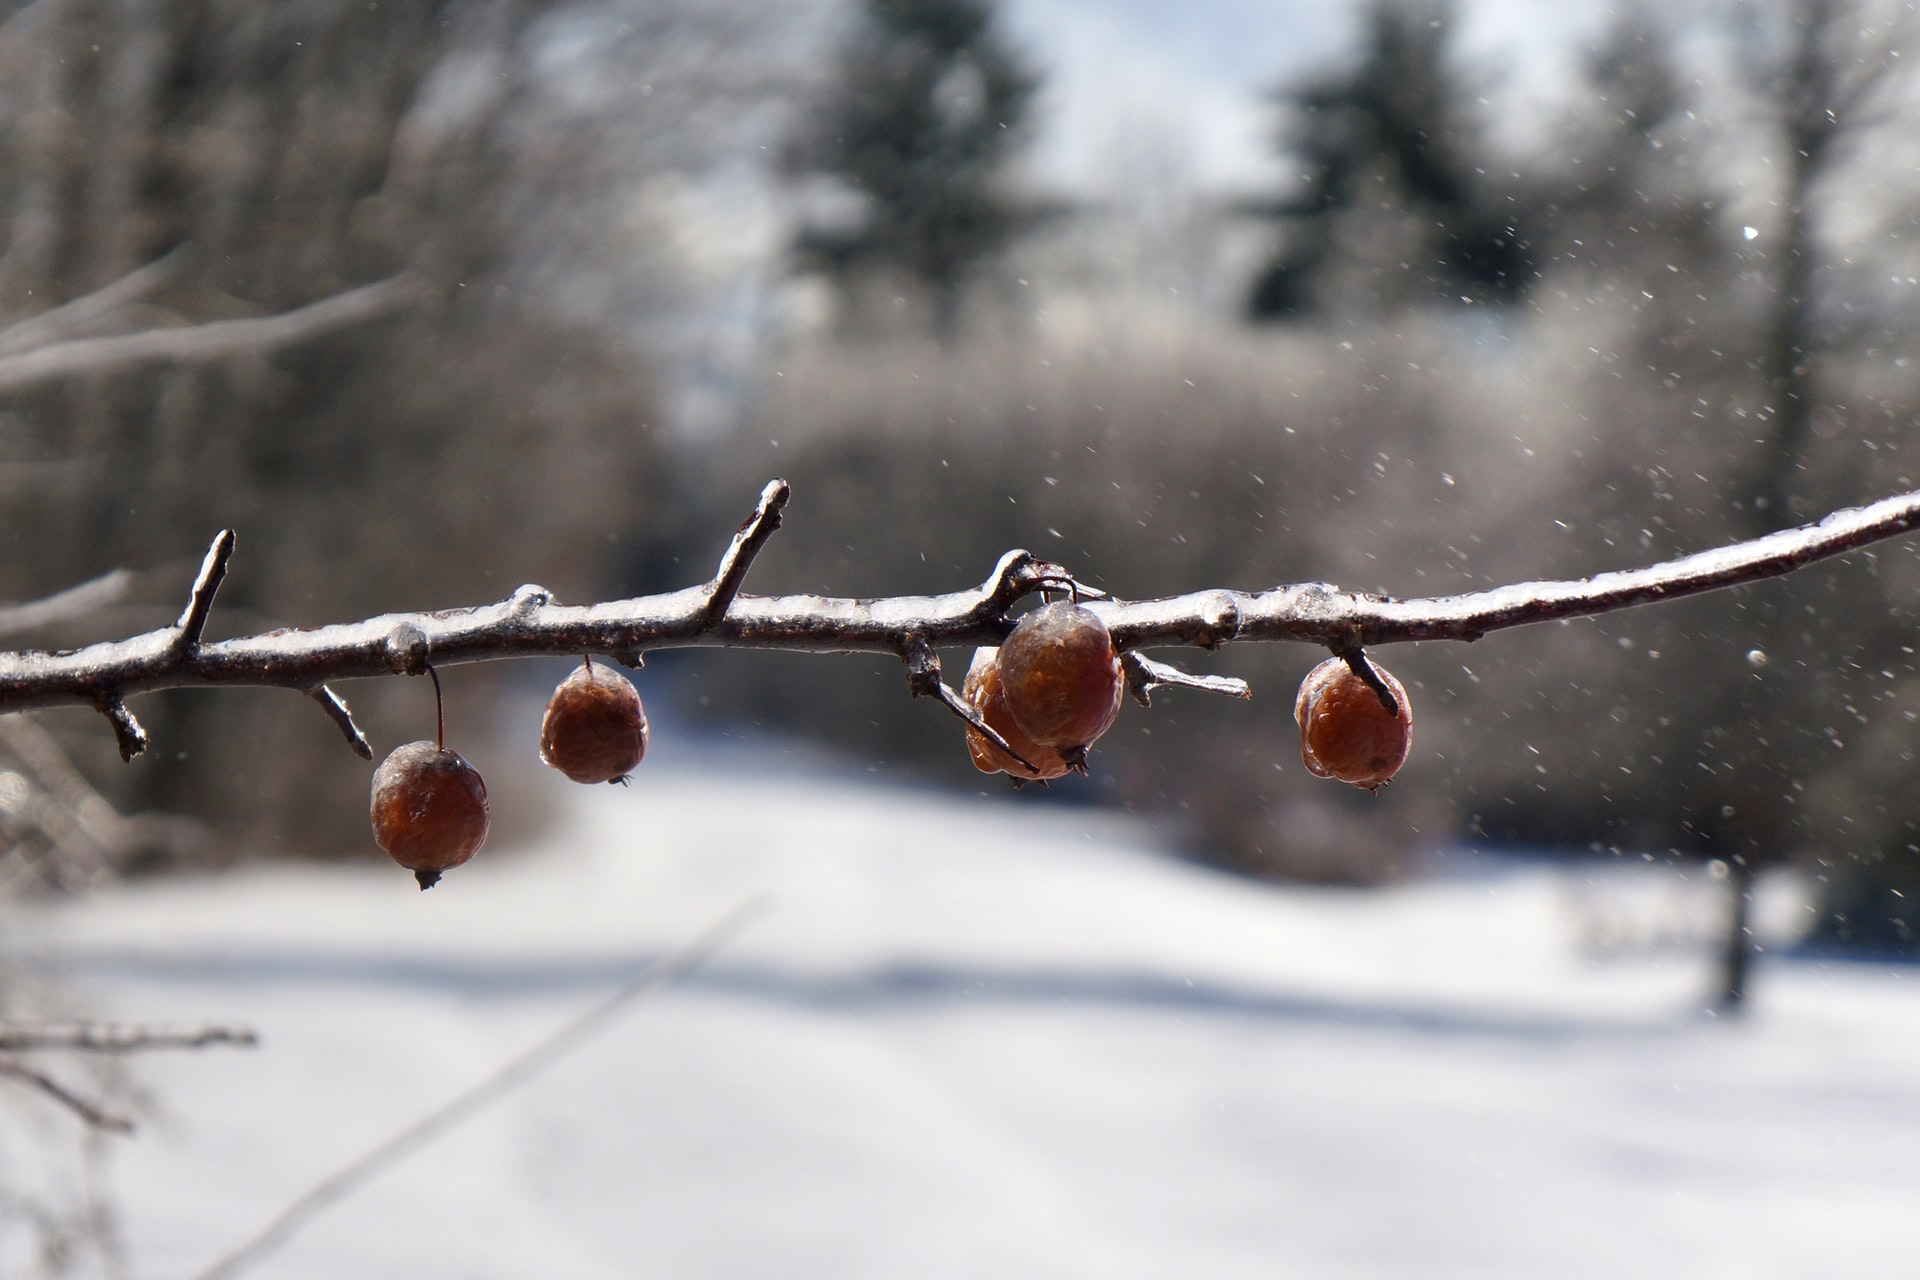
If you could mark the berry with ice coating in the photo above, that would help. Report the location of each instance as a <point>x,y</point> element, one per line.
<point>595,729</point>
<point>1060,677</point>
<point>1345,730</point>
<point>982,690</point>
<point>429,809</point>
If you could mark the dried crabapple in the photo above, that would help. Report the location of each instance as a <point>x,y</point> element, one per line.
<point>1060,676</point>
<point>1345,732</point>
<point>429,809</point>
<point>982,690</point>
<point>595,729</point>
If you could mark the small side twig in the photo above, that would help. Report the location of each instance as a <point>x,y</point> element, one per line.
<point>336,709</point>
<point>748,539</point>
<point>1313,612</point>
<point>924,681</point>
<point>1144,675</point>
<point>127,733</point>
<point>93,1114</point>
<point>659,975</point>
<point>1357,661</point>
<point>193,619</point>
<point>102,1037</point>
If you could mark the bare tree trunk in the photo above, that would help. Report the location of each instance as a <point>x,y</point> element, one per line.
<point>1736,951</point>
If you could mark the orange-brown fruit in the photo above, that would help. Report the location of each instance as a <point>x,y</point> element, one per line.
<point>1061,677</point>
<point>982,690</point>
<point>429,809</point>
<point>1345,732</point>
<point>595,729</point>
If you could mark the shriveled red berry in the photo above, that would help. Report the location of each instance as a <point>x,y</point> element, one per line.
<point>429,809</point>
<point>1060,676</point>
<point>1345,732</point>
<point>982,689</point>
<point>595,729</point>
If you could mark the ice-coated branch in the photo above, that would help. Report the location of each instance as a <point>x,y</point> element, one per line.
<point>336,709</point>
<point>718,614</point>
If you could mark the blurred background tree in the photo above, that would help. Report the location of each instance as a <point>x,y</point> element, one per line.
<point>272,156</point>
<point>1396,198</point>
<point>913,139</point>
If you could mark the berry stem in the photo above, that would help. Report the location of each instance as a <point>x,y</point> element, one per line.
<point>439,715</point>
<point>1358,662</point>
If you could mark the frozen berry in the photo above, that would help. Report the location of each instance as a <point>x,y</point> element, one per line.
<point>982,690</point>
<point>1345,732</point>
<point>429,809</point>
<point>595,729</point>
<point>1060,676</point>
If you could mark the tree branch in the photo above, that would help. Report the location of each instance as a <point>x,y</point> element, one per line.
<point>748,539</point>
<point>193,619</point>
<point>530,622</point>
<point>216,340</point>
<point>79,313</point>
<point>64,606</point>
<point>336,709</point>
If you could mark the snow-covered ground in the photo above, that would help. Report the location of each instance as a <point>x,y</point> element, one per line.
<point>989,1038</point>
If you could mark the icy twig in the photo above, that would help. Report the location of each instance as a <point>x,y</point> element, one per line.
<point>213,569</point>
<point>748,539</point>
<point>336,709</point>
<point>51,1088</point>
<point>657,976</point>
<point>1144,675</point>
<point>127,733</point>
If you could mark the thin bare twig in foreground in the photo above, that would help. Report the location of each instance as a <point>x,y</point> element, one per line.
<point>714,614</point>
<point>47,1085</point>
<point>107,1037</point>
<point>657,976</point>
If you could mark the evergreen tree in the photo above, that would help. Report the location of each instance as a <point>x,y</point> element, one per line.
<point>1390,203</point>
<point>922,119</point>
